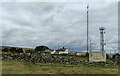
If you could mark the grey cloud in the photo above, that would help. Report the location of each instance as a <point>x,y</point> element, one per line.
<point>54,24</point>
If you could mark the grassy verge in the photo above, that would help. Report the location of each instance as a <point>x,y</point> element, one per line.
<point>16,67</point>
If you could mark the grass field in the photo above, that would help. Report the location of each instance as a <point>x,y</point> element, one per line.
<point>16,67</point>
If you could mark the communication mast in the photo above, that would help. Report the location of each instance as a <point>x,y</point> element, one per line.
<point>102,39</point>
<point>87,28</point>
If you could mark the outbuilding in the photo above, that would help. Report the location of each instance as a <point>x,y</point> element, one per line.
<point>97,56</point>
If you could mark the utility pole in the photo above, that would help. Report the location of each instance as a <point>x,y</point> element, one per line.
<point>87,28</point>
<point>87,32</point>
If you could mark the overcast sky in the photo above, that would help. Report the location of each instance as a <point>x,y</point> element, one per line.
<point>58,24</point>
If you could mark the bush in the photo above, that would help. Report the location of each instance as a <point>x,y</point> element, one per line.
<point>19,50</point>
<point>87,54</point>
<point>13,50</point>
<point>107,56</point>
<point>41,48</point>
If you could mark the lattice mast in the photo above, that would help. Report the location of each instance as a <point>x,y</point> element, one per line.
<point>102,38</point>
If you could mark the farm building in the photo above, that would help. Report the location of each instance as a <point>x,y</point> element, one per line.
<point>52,52</point>
<point>97,56</point>
<point>62,51</point>
<point>59,51</point>
<point>81,54</point>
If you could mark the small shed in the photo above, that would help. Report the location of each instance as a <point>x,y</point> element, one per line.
<point>81,54</point>
<point>97,56</point>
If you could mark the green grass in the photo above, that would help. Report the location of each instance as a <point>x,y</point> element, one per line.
<point>17,67</point>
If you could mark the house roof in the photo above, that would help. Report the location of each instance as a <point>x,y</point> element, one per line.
<point>60,50</point>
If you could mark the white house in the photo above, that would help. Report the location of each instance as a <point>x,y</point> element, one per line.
<point>52,52</point>
<point>63,51</point>
<point>60,51</point>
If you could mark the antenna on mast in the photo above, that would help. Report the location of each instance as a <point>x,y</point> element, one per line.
<point>102,40</point>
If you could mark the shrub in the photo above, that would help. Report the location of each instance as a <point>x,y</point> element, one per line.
<point>41,48</point>
<point>13,50</point>
<point>19,50</point>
